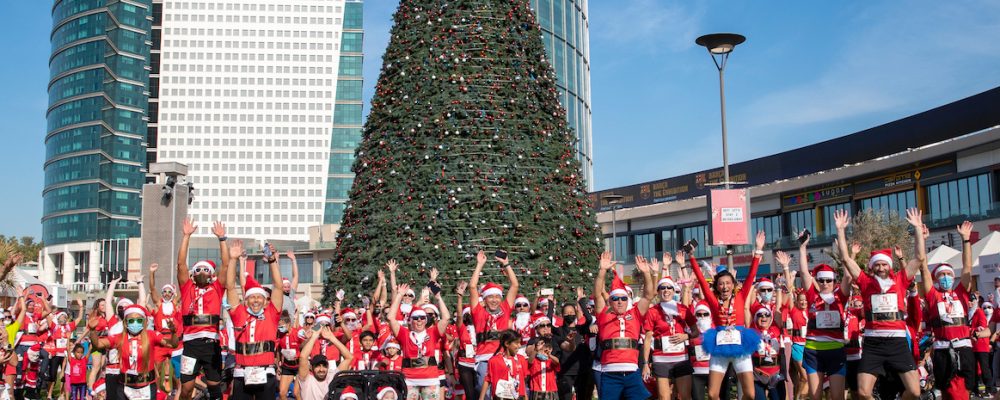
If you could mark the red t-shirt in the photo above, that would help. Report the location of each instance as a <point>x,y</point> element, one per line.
<point>543,375</point>
<point>766,356</point>
<point>507,370</point>
<point>288,348</point>
<point>32,329</point>
<point>77,370</point>
<point>466,351</point>
<point>324,347</point>
<point>665,320</point>
<point>615,326</point>
<point>133,360</point>
<point>201,301</point>
<point>486,322</point>
<point>731,312</point>
<point>797,328</point>
<point>413,345</point>
<point>59,337</point>
<point>826,320</point>
<point>885,298</point>
<point>855,322</point>
<point>391,364</point>
<point>953,303</point>
<point>365,360</point>
<point>249,329</point>
<point>980,345</point>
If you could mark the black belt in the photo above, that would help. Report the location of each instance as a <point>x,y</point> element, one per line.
<point>249,349</point>
<point>419,362</point>
<point>487,336</point>
<point>138,381</point>
<point>797,333</point>
<point>938,323</point>
<point>201,320</point>
<point>620,344</point>
<point>854,344</point>
<point>889,316</point>
<point>535,395</point>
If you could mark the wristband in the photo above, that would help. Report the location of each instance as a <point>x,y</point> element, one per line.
<point>966,241</point>
<point>223,238</point>
<point>759,252</point>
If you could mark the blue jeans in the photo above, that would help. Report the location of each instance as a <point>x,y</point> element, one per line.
<point>622,386</point>
<point>481,368</point>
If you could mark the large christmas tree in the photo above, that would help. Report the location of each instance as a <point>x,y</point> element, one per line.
<point>466,148</point>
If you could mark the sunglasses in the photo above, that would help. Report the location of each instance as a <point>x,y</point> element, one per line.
<point>522,305</point>
<point>135,320</point>
<point>618,298</point>
<point>702,315</point>
<point>408,295</point>
<point>825,280</point>
<point>543,326</point>
<point>765,290</point>
<point>987,308</point>
<point>418,318</point>
<point>350,319</point>
<point>202,269</point>
<point>765,315</point>
<point>664,287</point>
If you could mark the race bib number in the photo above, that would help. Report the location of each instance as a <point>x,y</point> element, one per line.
<point>507,389</point>
<point>728,337</point>
<point>470,351</point>
<point>957,311</point>
<point>788,323</point>
<point>61,343</point>
<point>187,365</point>
<point>592,343</point>
<point>113,356</point>
<point>144,393</point>
<point>32,328</point>
<point>255,375</point>
<point>670,347</point>
<point>885,303</point>
<point>827,319</point>
<point>289,354</point>
<point>700,354</point>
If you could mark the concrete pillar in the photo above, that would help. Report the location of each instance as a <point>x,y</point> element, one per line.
<point>94,277</point>
<point>68,268</point>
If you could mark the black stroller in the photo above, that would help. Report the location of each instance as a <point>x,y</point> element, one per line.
<point>366,383</point>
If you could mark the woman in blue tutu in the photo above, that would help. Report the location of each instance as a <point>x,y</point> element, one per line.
<point>731,342</point>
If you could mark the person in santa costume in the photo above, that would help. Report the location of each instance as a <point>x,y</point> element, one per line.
<point>824,355</point>
<point>884,292</point>
<point>619,328</point>
<point>948,318</point>
<point>137,350</point>
<point>667,335</point>
<point>491,314</point>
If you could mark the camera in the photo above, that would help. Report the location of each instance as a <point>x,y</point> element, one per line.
<point>690,246</point>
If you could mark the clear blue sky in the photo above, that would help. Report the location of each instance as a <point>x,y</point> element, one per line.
<point>809,71</point>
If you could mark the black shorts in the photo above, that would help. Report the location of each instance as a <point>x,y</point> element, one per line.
<point>852,374</point>
<point>672,370</point>
<point>289,371</point>
<point>945,369</point>
<point>208,360</point>
<point>886,355</point>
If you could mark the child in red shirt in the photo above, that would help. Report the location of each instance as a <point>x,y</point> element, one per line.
<point>76,374</point>
<point>390,359</point>
<point>506,370</point>
<point>542,370</point>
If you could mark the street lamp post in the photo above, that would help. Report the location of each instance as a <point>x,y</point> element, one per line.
<point>613,200</point>
<point>719,46</point>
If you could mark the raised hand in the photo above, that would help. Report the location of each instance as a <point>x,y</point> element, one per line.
<point>461,287</point>
<point>680,257</point>
<point>641,263</point>
<point>654,265</point>
<point>480,258</point>
<point>381,275</point>
<point>274,252</point>
<point>841,219</point>
<point>606,261</point>
<point>782,258</point>
<point>189,227</point>
<point>434,274</point>
<point>236,249</point>
<point>898,251</point>
<point>965,230</point>
<point>580,294</point>
<point>153,267</point>
<point>291,255</point>
<point>806,242</point>
<point>219,229</point>
<point>402,290</point>
<point>667,258</point>
<point>759,241</point>
<point>914,217</point>
<point>855,248</point>
<point>391,265</point>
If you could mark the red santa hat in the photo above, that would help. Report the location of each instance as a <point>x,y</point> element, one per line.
<point>168,287</point>
<point>348,393</point>
<point>204,264</point>
<point>348,313</point>
<point>252,288</point>
<point>539,319</point>
<point>702,306</point>
<point>943,267</point>
<point>285,280</point>
<point>323,319</point>
<point>519,300</point>
<point>384,390</point>
<point>758,310</point>
<point>666,281</point>
<point>824,271</point>
<point>880,255</point>
<point>618,287</point>
<point>418,313</point>
<point>134,309</point>
<point>124,302</point>
<point>390,344</point>
<point>542,301</point>
<point>765,283</point>
<point>492,289</point>
<point>466,310</point>
<point>429,308</point>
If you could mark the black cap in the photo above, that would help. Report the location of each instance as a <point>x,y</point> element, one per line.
<point>319,359</point>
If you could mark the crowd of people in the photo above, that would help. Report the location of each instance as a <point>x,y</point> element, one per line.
<point>702,333</point>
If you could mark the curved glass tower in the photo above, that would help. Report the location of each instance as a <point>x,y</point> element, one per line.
<point>96,121</point>
<point>565,31</point>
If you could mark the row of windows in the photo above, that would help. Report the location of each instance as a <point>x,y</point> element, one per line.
<point>164,117</point>
<point>246,217</point>
<point>230,80</point>
<point>251,19</point>
<point>966,197</point>
<point>197,5</point>
<point>232,56</point>
<point>242,143</point>
<point>246,180</point>
<point>283,130</point>
<point>232,44</point>
<point>267,167</point>
<point>246,155</point>
<point>257,231</point>
<point>230,68</point>
<point>260,205</point>
<point>204,32</point>
<point>230,93</point>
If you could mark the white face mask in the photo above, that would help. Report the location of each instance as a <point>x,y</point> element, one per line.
<point>522,319</point>
<point>989,313</point>
<point>704,323</point>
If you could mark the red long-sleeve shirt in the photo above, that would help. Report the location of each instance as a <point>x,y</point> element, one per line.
<point>734,313</point>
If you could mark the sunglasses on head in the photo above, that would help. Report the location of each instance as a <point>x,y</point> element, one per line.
<point>825,280</point>
<point>618,298</point>
<point>418,318</point>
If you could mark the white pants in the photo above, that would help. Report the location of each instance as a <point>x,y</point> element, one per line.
<point>740,364</point>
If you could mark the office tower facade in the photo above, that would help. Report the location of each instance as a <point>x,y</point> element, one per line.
<point>346,113</point>
<point>96,127</point>
<point>249,95</point>
<point>565,32</point>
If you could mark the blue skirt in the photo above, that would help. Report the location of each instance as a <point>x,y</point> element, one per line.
<point>749,342</point>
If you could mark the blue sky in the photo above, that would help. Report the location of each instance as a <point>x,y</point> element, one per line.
<point>809,71</point>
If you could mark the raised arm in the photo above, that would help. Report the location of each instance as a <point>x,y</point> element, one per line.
<point>79,315</point>
<point>648,286</point>
<point>188,229</point>
<point>397,297</point>
<point>143,294</point>
<point>706,289</point>
<point>602,274</point>
<point>842,220</point>
<point>109,306</point>
<point>153,293</point>
<point>378,297</point>
<point>391,266</point>
<point>752,274</point>
<point>306,352</point>
<point>295,273</point>
<point>231,295</point>
<point>966,231</point>
<point>347,358</point>
<point>13,259</point>
<point>219,229</point>
<point>807,279</point>
<point>512,278</point>
<point>445,314</point>
<point>474,280</point>
<point>915,217</point>
<point>277,295</point>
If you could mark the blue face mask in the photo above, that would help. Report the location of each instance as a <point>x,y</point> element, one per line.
<point>256,314</point>
<point>946,282</point>
<point>541,356</point>
<point>136,327</point>
<point>766,296</point>
<point>677,297</point>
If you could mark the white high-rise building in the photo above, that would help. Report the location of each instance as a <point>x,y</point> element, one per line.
<point>247,97</point>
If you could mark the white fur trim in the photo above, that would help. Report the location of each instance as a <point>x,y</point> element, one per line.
<point>256,291</point>
<point>619,293</point>
<point>879,257</point>
<point>942,268</point>
<point>493,292</point>
<point>826,275</point>
<point>384,391</point>
<point>418,313</point>
<point>205,264</point>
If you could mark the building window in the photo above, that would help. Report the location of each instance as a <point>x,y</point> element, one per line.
<point>645,245</point>
<point>669,238</point>
<point>965,198</point>
<point>57,263</point>
<point>829,227</point>
<point>621,249</point>
<point>892,203</point>
<point>698,233</point>
<point>82,260</point>
<point>802,219</point>
<point>771,225</point>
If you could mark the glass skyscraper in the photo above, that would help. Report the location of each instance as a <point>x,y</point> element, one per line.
<point>95,154</point>
<point>347,113</point>
<point>565,31</point>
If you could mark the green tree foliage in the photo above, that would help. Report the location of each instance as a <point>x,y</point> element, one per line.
<point>466,148</point>
<point>25,245</point>
<point>877,229</point>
